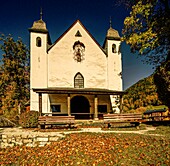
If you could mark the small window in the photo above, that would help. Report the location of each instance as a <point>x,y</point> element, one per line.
<point>114,48</point>
<point>38,42</point>
<point>56,108</point>
<point>78,81</point>
<point>78,34</point>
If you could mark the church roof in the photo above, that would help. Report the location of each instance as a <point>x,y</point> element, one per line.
<point>61,90</point>
<point>77,21</point>
<point>39,26</point>
<point>112,33</point>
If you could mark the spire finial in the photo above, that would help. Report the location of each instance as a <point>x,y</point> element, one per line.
<point>41,14</point>
<point>110,22</point>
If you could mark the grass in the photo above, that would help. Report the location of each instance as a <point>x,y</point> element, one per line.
<point>157,107</point>
<point>125,127</point>
<point>95,149</point>
<point>162,130</point>
<point>89,124</point>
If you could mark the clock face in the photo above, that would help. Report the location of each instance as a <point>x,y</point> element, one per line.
<point>79,50</point>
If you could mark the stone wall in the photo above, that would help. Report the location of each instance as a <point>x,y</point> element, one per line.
<point>27,140</point>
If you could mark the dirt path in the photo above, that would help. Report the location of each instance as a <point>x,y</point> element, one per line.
<point>20,131</point>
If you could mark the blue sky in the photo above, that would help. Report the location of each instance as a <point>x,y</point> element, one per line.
<point>16,16</point>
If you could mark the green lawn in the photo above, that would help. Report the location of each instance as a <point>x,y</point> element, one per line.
<point>157,107</point>
<point>162,130</point>
<point>94,149</point>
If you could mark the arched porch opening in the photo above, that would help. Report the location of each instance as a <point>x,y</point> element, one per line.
<point>80,107</point>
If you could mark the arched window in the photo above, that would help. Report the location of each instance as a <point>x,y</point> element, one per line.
<point>38,42</point>
<point>78,81</point>
<point>114,48</point>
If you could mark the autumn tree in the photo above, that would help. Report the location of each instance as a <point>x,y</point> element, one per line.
<point>147,31</point>
<point>14,82</point>
<point>141,94</point>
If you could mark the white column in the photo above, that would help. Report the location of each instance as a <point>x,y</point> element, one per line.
<point>68,105</point>
<point>95,107</point>
<point>40,103</point>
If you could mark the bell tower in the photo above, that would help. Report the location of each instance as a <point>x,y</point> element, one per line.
<point>39,41</point>
<point>114,64</point>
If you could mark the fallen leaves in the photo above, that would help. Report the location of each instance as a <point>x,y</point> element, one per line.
<point>93,149</point>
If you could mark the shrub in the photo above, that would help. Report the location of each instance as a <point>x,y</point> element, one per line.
<point>29,119</point>
<point>141,110</point>
<point>4,122</point>
<point>1,112</point>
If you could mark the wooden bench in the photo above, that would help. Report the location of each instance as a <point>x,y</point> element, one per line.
<point>55,120</point>
<point>122,118</point>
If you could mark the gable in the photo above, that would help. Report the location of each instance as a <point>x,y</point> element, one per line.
<point>77,51</point>
<point>78,34</point>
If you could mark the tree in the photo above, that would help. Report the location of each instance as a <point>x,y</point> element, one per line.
<point>162,80</point>
<point>14,82</point>
<point>147,31</point>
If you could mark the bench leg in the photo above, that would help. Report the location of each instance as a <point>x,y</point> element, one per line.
<point>105,125</point>
<point>42,126</point>
<point>108,125</point>
<point>137,124</point>
<point>69,125</point>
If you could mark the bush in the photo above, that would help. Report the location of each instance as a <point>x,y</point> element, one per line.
<point>29,119</point>
<point>4,122</point>
<point>141,110</point>
<point>1,112</point>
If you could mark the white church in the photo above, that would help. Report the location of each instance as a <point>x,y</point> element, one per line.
<point>75,75</point>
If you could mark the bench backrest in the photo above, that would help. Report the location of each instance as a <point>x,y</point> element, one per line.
<point>122,116</point>
<point>56,118</point>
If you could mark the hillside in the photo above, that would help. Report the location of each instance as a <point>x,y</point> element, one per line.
<point>141,95</point>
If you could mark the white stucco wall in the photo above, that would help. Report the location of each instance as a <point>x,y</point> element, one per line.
<point>57,67</point>
<point>38,61</point>
<point>114,67</point>
<point>62,67</point>
<point>38,69</point>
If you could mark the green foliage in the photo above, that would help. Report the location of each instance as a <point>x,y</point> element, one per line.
<point>5,122</point>
<point>141,95</point>
<point>14,82</point>
<point>162,81</point>
<point>29,119</point>
<point>151,107</point>
<point>146,30</point>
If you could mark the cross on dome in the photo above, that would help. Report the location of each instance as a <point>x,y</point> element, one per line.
<point>112,32</point>
<point>41,14</point>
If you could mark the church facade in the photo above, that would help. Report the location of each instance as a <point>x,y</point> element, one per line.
<point>75,75</point>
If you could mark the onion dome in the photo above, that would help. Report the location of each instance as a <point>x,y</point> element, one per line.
<point>39,26</point>
<point>112,33</point>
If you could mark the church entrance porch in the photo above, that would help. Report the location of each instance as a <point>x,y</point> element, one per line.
<point>82,103</point>
<point>80,107</point>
